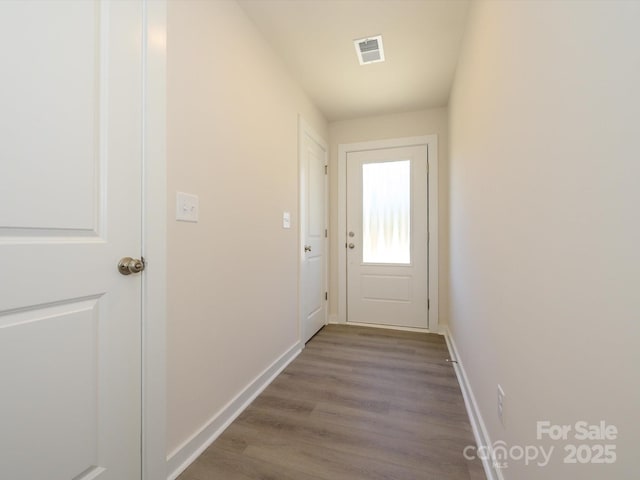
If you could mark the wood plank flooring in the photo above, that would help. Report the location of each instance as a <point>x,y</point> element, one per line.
<point>357,404</point>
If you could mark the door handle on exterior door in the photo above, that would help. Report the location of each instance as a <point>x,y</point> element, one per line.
<point>128,265</point>
<point>307,248</point>
<point>352,246</point>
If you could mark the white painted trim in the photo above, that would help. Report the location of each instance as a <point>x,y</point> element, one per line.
<point>342,232</point>
<point>432,225</point>
<point>305,128</point>
<point>184,455</point>
<point>154,235</point>
<point>475,417</point>
<point>431,141</point>
<point>333,318</point>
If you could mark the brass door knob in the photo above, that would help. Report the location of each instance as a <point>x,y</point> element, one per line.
<point>128,265</point>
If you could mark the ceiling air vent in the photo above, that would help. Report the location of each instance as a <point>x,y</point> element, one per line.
<point>369,49</point>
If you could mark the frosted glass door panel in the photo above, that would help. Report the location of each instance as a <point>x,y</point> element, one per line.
<point>386,212</point>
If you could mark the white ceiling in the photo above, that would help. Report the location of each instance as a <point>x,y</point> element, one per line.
<point>315,40</point>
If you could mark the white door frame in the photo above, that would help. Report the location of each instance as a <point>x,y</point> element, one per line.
<point>431,141</point>
<point>305,128</point>
<point>154,234</point>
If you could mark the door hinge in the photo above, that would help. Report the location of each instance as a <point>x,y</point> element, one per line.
<point>325,233</point>
<point>428,304</point>
<point>325,169</point>
<point>326,296</point>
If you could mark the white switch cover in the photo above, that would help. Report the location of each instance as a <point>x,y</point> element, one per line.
<point>286,220</point>
<point>186,207</point>
<point>501,396</point>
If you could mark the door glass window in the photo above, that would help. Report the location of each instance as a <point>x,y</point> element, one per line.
<point>386,212</point>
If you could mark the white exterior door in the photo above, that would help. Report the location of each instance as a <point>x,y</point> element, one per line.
<point>313,300</point>
<point>70,208</point>
<point>387,236</point>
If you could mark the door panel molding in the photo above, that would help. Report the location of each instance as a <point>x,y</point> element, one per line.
<point>306,260</point>
<point>74,108</point>
<point>431,141</point>
<point>70,324</point>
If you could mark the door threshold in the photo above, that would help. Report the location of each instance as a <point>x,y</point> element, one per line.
<point>390,327</point>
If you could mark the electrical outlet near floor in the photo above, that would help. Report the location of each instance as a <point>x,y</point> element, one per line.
<point>501,397</point>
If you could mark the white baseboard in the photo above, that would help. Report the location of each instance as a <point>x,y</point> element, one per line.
<point>475,417</point>
<point>333,318</point>
<point>183,456</point>
<point>443,329</point>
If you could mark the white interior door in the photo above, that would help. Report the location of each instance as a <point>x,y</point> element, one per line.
<point>70,208</point>
<point>313,298</point>
<point>387,236</point>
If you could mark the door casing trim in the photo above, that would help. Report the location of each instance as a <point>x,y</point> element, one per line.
<point>154,243</point>
<point>431,141</point>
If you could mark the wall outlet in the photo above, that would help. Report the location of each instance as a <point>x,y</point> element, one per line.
<point>501,397</point>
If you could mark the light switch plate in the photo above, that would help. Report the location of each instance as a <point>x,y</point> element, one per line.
<point>286,220</point>
<point>186,207</point>
<point>501,397</point>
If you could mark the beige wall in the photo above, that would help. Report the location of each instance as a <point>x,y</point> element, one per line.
<point>410,124</point>
<point>545,229</point>
<point>232,140</point>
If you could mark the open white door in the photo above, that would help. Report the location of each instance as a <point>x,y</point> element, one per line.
<point>70,208</point>
<point>387,236</point>
<point>313,173</point>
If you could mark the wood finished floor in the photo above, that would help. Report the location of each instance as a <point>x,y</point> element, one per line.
<point>357,404</point>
